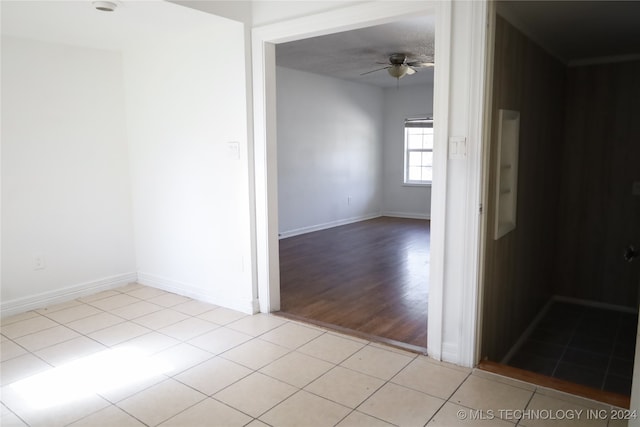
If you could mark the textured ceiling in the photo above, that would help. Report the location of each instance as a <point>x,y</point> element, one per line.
<point>348,54</point>
<point>573,31</point>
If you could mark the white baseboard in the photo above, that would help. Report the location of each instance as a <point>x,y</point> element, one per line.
<point>326,225</point>
<point>44,299</point>
<point>450,353</point>
<point>337,223</point>
<point>409,215</point>
<point>191,291</point>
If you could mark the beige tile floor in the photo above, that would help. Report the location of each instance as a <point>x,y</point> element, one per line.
<point>137,356</point>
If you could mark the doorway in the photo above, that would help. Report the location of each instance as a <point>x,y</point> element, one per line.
<point>265,149</point>
<point>343,122</point>
<point>559,298</point>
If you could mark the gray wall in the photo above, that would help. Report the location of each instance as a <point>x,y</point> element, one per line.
<point>341,151</point>
<point>329,150</point>
<point>401,103</point>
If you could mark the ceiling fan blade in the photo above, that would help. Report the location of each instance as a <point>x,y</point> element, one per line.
<point>418,64</point>
<point>410,71</point>
<point>373,71</point>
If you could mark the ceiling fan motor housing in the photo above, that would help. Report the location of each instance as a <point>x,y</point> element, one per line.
<point>398,67</point>
<point>397,58</point>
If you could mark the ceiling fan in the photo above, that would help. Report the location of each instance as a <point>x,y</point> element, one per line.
<point>399,66</point>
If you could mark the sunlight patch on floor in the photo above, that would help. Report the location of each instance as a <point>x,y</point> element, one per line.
<point>100,372</point>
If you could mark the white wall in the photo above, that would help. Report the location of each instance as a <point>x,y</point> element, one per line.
<point>186,101</point>
<point>329,151</point>
<point>401,103</point>
<point>232,9</point>
<point>268,12</point>
<point>197,238</point>
<point>65,172</point>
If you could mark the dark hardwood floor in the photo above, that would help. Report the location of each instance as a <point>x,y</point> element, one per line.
<point>370,277</point>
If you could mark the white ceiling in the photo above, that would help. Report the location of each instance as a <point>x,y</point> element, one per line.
<point>348,54</point>
<point>78,23</point>
<point>573,31</point>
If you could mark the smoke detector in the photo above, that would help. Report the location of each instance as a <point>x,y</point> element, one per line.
<point>105,6</point>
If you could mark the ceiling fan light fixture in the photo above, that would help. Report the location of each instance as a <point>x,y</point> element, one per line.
<point>105,6</point>
<point>398,71</point>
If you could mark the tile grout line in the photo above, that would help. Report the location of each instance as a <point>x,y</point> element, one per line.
<point>15,414</point>
<point>110,403</point>
<point>613,349</point>
<point>535,391</point>
<point>566,346</point>
<point>81,334</point>
<point>289,351</point>
<point>374,392</point>
<point>167,377</point>
<point>257,371</point>
<point>390,381</point>
<point>336,365</point>
<point>448,399</point>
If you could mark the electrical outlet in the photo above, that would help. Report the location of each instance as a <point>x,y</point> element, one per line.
<point>38,262</point>
<point>233,149</point>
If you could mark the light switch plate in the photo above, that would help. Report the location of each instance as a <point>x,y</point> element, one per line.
<point>457,147</point>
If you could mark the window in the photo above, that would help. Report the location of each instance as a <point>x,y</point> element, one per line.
<point>418,151</point>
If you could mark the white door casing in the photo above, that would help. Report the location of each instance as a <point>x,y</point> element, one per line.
<point>459,337</point>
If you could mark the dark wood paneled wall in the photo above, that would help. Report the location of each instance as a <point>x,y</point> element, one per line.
<point>519,267</point>
<point>599,216</point>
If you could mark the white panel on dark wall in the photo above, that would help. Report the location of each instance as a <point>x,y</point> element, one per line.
<point>507,173</point>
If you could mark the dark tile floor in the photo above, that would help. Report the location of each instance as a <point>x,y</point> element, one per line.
<point>584,345</point>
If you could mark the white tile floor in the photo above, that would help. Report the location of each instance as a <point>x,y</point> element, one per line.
<point>138,356</point>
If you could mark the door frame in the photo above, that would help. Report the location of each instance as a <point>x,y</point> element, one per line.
<point>264,40</point>
<point>485,156</point>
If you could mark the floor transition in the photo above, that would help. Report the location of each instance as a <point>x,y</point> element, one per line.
<point>138,356</point>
